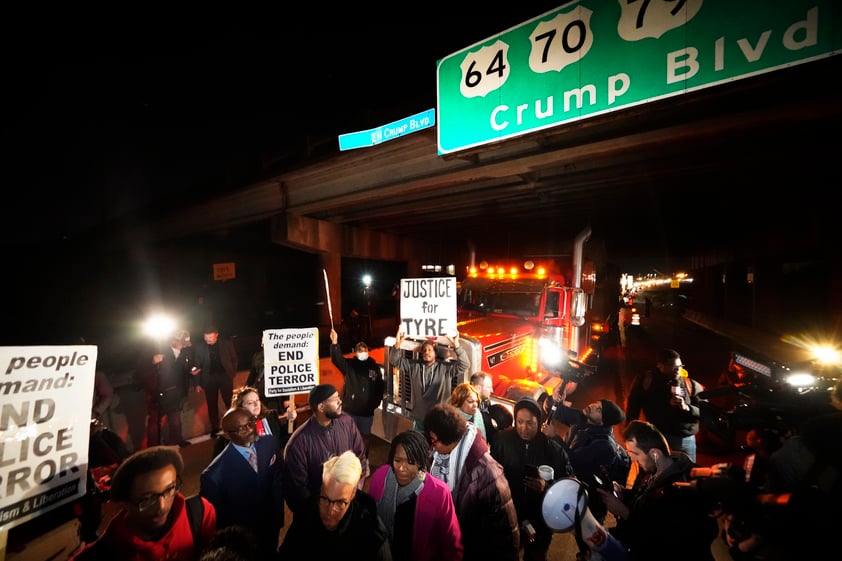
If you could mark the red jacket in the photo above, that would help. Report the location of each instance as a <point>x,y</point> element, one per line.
<point>119,542</point>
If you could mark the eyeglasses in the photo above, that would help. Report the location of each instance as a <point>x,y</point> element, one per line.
<point>152,500</point>
<point>242,429</point>
<point>341,504</point>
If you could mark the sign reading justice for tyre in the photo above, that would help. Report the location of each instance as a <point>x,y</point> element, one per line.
<point>591,57</point>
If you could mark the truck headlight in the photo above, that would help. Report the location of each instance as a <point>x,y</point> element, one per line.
<point>801,380</point>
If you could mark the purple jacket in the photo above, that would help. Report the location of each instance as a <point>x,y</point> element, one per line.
<point>308,448</point>
<point>485,508</point>
<point>436,534</point>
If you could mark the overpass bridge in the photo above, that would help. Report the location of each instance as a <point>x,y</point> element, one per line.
<point>692,178</point>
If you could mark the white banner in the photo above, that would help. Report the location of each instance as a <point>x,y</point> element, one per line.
<point>428,307</point>
<point>45,423</point>
<point>291,360</point>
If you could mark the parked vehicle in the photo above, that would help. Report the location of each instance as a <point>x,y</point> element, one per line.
<point>767,395</point>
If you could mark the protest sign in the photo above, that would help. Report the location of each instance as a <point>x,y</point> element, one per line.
<point>428,307</point>
<point>45,421</point>
<point>290,360</point>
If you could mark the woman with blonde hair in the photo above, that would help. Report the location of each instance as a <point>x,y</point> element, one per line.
<point>465,398</point>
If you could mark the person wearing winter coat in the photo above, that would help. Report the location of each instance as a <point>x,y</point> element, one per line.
<point>328,432</point>
<point>520,450</point>
<point>481,493</point>
<point>594,453</point>
<point>363,386</point>
<point>340,521</point>
<point>656,518</point>
<point>416,508</point>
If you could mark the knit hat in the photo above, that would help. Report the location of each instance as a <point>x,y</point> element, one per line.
<point>319,394</point>
<point>530,404</point>
<point>611,413</point>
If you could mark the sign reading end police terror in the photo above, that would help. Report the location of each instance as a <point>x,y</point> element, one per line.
<point>428,307</point>
<point>45,419</point>
<point>290,360</point>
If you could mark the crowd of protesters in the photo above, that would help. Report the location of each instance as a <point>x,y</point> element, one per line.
<point>451,490</point>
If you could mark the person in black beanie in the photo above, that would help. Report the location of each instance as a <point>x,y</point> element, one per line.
<point>591,447</point>
<point>328,432</point>
<point>520,450</point>
<point>363,386</point>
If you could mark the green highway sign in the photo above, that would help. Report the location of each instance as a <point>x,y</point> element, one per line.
<point>592,57</point>
<point>371,137</point>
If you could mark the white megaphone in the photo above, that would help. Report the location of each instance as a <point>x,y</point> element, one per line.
<point>565,504</point>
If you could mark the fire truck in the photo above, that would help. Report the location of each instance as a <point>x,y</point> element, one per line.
<point>527,325</point>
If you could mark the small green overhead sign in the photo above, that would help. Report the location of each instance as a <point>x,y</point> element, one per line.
<point>591,57</point>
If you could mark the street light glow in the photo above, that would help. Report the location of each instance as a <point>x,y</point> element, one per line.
<point>158,326</point>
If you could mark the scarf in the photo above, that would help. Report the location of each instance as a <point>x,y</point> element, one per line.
<point>395,495</point>
<point>477,421</point>
<point>448,467</point>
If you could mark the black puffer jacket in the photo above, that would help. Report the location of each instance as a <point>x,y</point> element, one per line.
<point>514,454</point>
<point>664,518</point>
<point>359,535</point>
<point>363,389</point>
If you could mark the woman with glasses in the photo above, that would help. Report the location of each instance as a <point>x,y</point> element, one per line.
<point>465,398</point>
<point>416,508</point>
<point>481,494</point>
<point>153,521</point>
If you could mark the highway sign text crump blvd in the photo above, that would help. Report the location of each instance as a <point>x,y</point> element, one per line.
<point>591,57</point>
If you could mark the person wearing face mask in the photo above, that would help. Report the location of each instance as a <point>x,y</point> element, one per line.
<point>363,389</point>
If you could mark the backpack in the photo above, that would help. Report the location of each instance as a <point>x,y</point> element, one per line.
<point>195,511</point>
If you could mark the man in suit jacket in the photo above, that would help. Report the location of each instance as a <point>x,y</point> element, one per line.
<point>241,494</point>
<point>217,362</point>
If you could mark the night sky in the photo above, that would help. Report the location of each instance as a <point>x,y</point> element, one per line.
<point>107,112</point>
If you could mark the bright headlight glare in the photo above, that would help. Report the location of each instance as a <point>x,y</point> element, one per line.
<point>827,354</point>
<point>551,354</point>
<point>800,379</point>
